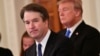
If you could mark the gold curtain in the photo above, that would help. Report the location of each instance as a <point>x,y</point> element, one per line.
<point>51,6</point>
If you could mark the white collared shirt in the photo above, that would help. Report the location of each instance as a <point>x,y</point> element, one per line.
<point>72,29</point>
<point>43,42</point>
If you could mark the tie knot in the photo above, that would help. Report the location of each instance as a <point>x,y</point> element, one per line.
<point>68,33</point>
<point>39,46</point>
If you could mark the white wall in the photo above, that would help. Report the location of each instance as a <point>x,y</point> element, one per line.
<point>12,27</point>
<point>91,12</point>
<point>97,3</point>
<point>2,24</point>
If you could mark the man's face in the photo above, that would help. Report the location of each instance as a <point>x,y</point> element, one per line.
<point>34,24</point>
<point>67,13</point>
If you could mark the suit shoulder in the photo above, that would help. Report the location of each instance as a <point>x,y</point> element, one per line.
<point>5,51</point>
<point>92,29</point>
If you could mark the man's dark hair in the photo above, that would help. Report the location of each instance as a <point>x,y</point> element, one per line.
<point>35,8</point>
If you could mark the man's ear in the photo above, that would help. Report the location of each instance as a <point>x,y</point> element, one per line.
<point>46,23</point>
<point>78,12</point>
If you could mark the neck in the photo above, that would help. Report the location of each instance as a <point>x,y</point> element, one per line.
<point>42,36</point>
<point>72,23</point>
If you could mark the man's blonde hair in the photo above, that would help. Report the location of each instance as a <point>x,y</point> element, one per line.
<point>77,4</point>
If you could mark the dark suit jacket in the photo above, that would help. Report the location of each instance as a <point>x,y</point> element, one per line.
<point>5,52</point>
<point>56,46</point>
<point>85,40</point>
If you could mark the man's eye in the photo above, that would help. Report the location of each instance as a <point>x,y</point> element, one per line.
<point>65,9</point>
<point>35,20</point>
<point>26,22</point>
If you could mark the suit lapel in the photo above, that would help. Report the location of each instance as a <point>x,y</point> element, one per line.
<point>49,45</point>
<point>77,31</point>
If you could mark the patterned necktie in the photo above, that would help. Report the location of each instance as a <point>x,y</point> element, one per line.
<point>39,50</point>
<point>68,33</point>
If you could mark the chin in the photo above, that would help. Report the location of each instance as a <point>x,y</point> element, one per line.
<point>34,36</point>
<point>63,23</point>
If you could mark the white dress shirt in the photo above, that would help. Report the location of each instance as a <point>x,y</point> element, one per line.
<point>43,42</point>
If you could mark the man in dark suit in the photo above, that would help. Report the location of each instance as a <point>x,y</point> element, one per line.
<point>5,51</point>
<point>47,43</point>
<point>84,38</point>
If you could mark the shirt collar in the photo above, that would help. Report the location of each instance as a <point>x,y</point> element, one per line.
<point>44,41</point>
<point>72,29</point>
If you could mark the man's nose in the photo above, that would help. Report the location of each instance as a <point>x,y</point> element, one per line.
<point>61,14</point>
<point>31,25</point>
